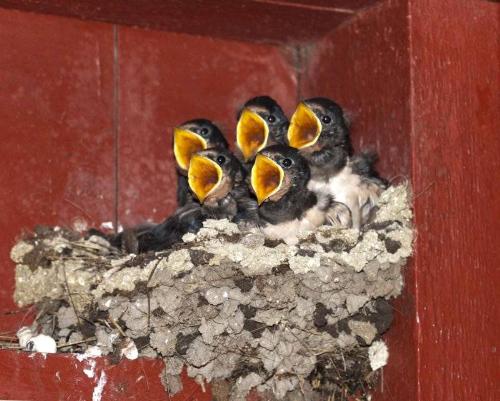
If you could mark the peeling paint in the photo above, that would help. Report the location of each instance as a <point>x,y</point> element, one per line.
<point>99,388</point>
<point>88,362</point>
<point>90,369</point>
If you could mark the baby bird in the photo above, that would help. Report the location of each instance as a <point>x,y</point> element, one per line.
<point>287,207</point>
<point>318,129</point>
<point>216,180</point>
<point>160,237</point>
<point>261,123</point>
<point>189,138</point>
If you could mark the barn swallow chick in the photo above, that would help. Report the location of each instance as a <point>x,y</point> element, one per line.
<point>261,123</point>
<point>159,237</point>
<point>318,129</point>
<point>287,207</point>
<point>189,138</point>
<point>217,179</point>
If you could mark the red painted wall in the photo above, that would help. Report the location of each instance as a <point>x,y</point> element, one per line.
<point>84,112</point>
<point>425,92</point>
<point>272,21</point>
<point>56,129</point>
<point>456,167</point>
<point>87,117</point>
<point>166,79</point>
<point>364,65</point>
<point>352,66</point>
<point>63,377</point>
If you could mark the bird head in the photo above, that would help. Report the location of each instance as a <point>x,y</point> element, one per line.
<point>261,122</point>
<point>277,170</point>
<point>316,123</point>
<point>212,174</point>
<point>194,136</point>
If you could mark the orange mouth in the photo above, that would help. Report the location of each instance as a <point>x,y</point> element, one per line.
<point>267,178</point>
<point>252,133</point>
<point>186,144</point>
<point>204,175</point>
<point>305,127</point>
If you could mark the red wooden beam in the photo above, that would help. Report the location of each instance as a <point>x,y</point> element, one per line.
<point>425,93</point>
<point>68,377</point>
<point>277,21</point>
<point>455,134</point>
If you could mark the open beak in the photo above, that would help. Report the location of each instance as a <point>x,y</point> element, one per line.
<point>251,133</point>
<point>204,175</point>
<point>305,127</point>
<point>267,177</point>
<point>186,144</point>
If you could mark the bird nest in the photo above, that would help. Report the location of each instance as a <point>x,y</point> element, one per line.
<point>238,310</point>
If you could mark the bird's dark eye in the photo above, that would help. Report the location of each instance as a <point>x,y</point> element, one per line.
<point>286,162</point>
<point>204,131</point>
<point>271,118</point>
<point>326,119</point>
<point>221,160</point>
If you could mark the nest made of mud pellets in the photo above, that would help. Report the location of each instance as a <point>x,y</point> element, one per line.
<point>297,322</point>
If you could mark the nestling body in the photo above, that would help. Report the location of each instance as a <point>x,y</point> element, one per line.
<point>287,208</point>
<point>318,129</point>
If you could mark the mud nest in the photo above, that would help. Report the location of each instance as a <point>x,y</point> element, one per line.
<point>238,310</point>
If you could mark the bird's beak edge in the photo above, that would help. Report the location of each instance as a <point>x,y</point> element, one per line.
<point>204,176</point>
<point>305,127</point>
<point>266,178</point>
<point>186,144</point>
<point>252,133</point>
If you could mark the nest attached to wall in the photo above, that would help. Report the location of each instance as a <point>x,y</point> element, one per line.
<point>240,311</point>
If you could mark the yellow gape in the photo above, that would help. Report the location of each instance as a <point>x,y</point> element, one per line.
<point>305,127</point>
<point>252,133</point>
<point>186,144</point>
<point>267,177</point>
<point>204,175</point>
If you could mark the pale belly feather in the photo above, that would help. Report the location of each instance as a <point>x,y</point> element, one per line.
<point>348,188</point>
<point>289,231</point>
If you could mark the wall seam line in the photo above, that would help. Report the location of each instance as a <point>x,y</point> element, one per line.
<point>116,123</point>
<point>418,326</point>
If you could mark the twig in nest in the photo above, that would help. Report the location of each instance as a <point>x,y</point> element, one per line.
<point>9,346</point>
<point>423,191</point>
<point>153,270</point>
<point>53,330</point>
<point>81,209</point>
<point>71,298</point>
<point>16,311</point>
<point>8,339</point>
<point>117,326</point>
<point>148,295</point>
<point>105,322</point>
<point>299,340</point>
<point>301,384</point>
<point>108,273</point>
<point>26,314</point>
<point>87,340</point>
